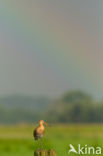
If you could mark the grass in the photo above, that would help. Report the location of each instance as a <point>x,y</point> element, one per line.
<point>18,140</point>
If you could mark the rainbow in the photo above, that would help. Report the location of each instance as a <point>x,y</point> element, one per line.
<point>61,44</point>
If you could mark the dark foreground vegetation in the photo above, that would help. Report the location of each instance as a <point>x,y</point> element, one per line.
<point>72,107</point>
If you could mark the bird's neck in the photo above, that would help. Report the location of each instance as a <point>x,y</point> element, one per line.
<point>41,125</point>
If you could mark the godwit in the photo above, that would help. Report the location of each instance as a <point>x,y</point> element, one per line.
<point>40,130</point>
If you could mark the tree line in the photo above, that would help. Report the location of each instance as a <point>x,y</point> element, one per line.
<point>71,107</point>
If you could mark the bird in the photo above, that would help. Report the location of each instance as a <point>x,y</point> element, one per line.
<point>39,131</point>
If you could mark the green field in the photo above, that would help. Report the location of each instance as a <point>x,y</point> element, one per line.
<point>18,140</point>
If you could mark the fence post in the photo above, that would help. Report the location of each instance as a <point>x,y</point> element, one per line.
<point>42,152</point>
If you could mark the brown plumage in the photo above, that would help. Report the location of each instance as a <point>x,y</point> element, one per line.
<point>40,130</point>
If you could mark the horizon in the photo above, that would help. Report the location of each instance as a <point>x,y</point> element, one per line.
<point>49,97</point>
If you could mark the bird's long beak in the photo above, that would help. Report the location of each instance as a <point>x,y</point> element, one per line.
<point>45,124</point>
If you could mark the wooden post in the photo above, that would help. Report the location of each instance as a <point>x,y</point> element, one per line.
<point>45,153</point>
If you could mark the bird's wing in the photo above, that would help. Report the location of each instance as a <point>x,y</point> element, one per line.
<point>34,132</point>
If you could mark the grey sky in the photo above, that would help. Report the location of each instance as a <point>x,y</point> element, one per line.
<point>32,65</point>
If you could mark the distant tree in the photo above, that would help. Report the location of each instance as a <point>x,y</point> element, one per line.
<point>76,96</point>
<point>74,106</point>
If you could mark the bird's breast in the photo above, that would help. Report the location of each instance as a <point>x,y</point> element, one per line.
<point>40,130</point>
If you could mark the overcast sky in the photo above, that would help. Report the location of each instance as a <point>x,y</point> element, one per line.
<point>49,47</point>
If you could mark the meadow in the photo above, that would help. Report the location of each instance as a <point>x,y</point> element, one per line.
<point>18,140</point>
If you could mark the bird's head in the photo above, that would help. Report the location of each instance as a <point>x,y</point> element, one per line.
<point>42,122</point>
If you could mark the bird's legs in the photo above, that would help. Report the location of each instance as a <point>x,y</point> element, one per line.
<point>40,143</point>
